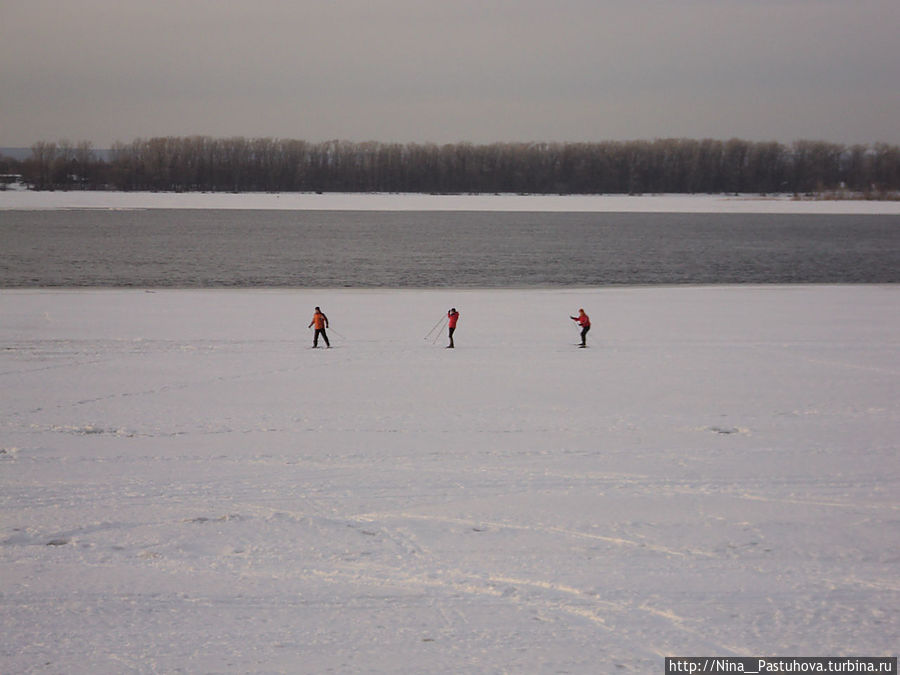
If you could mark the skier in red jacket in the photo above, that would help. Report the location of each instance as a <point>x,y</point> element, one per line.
<point>584,321</point>
<point>452,318</point>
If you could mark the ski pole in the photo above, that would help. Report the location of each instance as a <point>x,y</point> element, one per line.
<point>336,333</point>
<point>440,321</point>
<point>439,332</point>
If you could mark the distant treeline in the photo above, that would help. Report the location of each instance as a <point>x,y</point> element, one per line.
<point>201,163</point>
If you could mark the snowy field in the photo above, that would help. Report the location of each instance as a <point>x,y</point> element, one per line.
<point>22,199</point>
<point>186,486</point>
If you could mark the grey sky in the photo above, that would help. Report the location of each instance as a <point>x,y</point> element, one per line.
<point>450,70</point>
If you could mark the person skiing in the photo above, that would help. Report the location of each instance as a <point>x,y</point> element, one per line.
<point>584,321</point>
<point>452,318</point>
<point>320,321</point>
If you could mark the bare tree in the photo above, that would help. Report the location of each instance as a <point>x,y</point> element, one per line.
<point>662,165</point>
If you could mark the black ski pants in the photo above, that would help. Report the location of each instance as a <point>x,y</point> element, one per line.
<point>324,337</point>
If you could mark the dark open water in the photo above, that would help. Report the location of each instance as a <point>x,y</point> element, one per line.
<point>224,248</point>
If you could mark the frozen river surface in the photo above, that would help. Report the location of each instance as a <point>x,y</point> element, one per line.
<point>186,486</point>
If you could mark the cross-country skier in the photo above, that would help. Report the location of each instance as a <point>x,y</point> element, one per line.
<point>584,321</point>
<point>320,321</point>
<point>452,318</point>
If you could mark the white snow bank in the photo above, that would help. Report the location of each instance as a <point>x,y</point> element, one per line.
<point>186,486</point>
<point>424,202</point>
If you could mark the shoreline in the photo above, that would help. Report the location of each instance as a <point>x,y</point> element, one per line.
<point>505,290</point>
<point>671,203</point>
<point>453,289</point>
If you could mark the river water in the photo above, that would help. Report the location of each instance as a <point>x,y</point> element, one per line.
<point>425,249</point>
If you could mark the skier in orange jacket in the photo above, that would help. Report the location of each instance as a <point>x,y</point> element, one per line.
<point>585,322</point>
<point>320,321</point>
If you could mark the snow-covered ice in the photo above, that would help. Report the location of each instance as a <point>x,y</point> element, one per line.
<point>186,486</point>
<point>665,203</point>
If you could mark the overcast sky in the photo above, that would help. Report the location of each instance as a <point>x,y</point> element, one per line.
<point>450,70</point>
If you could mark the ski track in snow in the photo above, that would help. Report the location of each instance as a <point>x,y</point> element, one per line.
<point>619,541</point>
<point>539,596</point>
